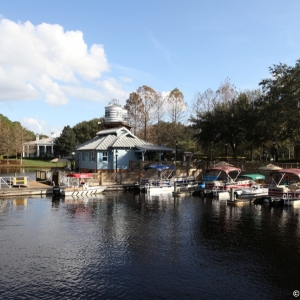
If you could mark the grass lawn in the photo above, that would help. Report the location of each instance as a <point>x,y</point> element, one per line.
<point>32,162</point>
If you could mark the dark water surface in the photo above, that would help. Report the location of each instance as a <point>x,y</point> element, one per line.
<point>126,246</point>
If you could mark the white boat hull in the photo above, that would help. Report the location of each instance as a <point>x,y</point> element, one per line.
<point>81,191</point>
<point>252,192</point>
<point>158,190</point>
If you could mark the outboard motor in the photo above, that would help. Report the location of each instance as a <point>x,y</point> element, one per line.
<point>56,190</point>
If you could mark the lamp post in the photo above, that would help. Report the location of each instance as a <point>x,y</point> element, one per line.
<point>116,154</point>
<point>73,162</point>
<point>273,150</point>
<point>226,151</point>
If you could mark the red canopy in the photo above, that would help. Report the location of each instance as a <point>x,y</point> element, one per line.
<point>80,175</point>
<point>293,171</point>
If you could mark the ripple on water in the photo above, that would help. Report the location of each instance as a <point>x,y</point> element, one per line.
<point>127,247</point>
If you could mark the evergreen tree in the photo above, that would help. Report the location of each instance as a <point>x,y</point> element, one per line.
<point>65,144</point>
<point>86,130</point>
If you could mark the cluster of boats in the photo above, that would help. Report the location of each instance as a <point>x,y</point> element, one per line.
<point>224,181</point>
<point>159,179</point>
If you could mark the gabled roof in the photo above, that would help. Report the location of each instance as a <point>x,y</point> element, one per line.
<point>119,138</point>
<point>152,147</point>
<point>49,140</point>
<point>115,131</point>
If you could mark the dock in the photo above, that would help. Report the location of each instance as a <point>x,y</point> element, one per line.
<point>41,189</point>
<point>35,189</point>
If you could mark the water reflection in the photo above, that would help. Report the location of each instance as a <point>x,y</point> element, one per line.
<point>132,246</point>
<point>11,171</point>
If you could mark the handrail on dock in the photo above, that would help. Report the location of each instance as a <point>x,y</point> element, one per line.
<point>14,181</point>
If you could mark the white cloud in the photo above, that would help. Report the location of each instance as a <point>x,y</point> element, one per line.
<point>33,124</point>
<point>46,62</point>
<point>126,79</point>
<point>165,94</point>
<point>113,89</point>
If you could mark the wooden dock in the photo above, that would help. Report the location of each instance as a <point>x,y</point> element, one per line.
<point>36,188</point>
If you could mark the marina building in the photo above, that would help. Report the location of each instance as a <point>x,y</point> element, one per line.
<point>115,148</point>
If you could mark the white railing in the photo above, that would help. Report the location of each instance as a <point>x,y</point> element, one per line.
<point>13,181</point>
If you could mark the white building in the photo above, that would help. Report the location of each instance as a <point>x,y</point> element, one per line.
<point>39,147</point>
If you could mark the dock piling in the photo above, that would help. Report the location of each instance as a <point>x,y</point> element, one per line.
<point>232,196</point>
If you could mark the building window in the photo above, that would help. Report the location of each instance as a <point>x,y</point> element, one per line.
<point>83,156</point>
<point>105,154</point>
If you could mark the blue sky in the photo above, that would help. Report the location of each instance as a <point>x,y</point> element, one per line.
<point>62,62</point>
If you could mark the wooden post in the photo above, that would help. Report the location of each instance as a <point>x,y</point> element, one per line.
<point>101,179</point>
<point>232,198</point>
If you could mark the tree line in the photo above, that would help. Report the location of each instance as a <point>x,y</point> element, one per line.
<point>254,124</point>
<point>12,137</point>
<point>257,124</point>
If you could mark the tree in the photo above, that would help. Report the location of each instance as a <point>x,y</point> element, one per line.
<point>232,119</point>
<point>176,109</point>
<point>86,130</point>
<point>20,135</point>
<point>215,121</point>
<point>65,144</point>
<point>226,92</point>
<point>6,140</point>
<point>160,110</point>
<point>184,135</point>
<point>281,102</point>
<point>203,102</point>
<point>149,99</point>
<point>134,106</point>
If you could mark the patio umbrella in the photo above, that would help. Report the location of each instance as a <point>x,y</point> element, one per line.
<point>269,167</point>
<point>60,160</point>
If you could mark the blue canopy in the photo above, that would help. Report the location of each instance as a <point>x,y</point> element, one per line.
<point>159,167</point>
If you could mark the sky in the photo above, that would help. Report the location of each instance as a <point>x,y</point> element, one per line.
<point>63,61</point>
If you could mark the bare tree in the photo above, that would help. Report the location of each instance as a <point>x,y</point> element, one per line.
<point>208,100</point>
<point>134,107</point>
<point>149,99</point>
<point>160,110</point>
<point>226,92</point>
<point>203,102</point>
<point>176,109</point>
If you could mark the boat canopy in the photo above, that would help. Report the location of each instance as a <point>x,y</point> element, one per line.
<point>226,169</point>
<point>269,167</point>
<point>80,175</point>
<point>292,171</point>
<point>254,176</point>
<point>159,167</point>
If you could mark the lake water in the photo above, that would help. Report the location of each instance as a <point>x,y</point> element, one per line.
<point>128,246</point>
